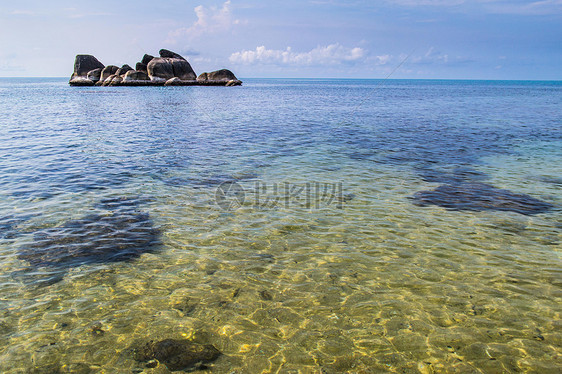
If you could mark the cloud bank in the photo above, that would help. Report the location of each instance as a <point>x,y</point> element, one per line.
<point>321,55</point>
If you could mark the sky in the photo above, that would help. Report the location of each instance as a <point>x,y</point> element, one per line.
<point>425,39</point>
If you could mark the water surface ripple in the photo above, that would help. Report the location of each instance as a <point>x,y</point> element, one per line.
<point>283,223</point>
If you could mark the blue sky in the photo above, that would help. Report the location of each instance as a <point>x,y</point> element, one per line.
<point>479,39</point>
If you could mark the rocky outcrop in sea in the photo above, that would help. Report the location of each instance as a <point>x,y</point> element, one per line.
<point>170,69</point>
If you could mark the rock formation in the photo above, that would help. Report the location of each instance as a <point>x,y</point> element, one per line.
<point>121,231</point>
<point>141,67</point>
<point>123,70</point>
<point>170,69</point>
<point>83,64</point>
<point>221,77</point>
<point>477,197</point>
<point>108,71</point>
<point>177,355</point>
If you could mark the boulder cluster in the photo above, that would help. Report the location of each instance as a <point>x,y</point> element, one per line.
<point>170,69</point>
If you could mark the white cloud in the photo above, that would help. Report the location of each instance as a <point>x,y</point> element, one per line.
<point>322,55</point>
<point>209,21</point>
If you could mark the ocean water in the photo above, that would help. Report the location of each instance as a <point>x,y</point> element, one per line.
<point>298,226</point>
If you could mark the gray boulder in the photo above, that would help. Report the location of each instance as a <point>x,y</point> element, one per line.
<point>135,77</point>
<point>116,81</point>
<point>108,71</point>
<point>162,69</point>
<point>183,70</point>
<point>175,81</point>
<point>141,67</point>
<point>222,75</point>
<point>108,80</point>
<point>81,81</point>
<point>234,82</point>
<point>123,69</point>
<point>85,63</point>
<point>169,54</point>
<point>94,75</point>
<point>146,59</point>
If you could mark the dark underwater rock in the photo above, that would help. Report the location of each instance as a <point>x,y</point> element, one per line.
<point>96,329</point>
<point>9,226</point>
<point>550,180</point>
<point>120,234</point>
<point>476,196</point>
<point>458,175</point>
<point>176,354</point>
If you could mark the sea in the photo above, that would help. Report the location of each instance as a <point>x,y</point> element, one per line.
<point>295,225</point>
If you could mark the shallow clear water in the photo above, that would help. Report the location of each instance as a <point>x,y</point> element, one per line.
<point>326,250</point>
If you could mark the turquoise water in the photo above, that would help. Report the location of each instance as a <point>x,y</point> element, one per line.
<point>314,226</point>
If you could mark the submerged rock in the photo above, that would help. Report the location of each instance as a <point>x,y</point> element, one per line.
<point>476,196</point>
<point>550,180</point>
<point>120,234</point>
<point>176,354</point>
<point>9,225</point>
<point>457,175</point>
